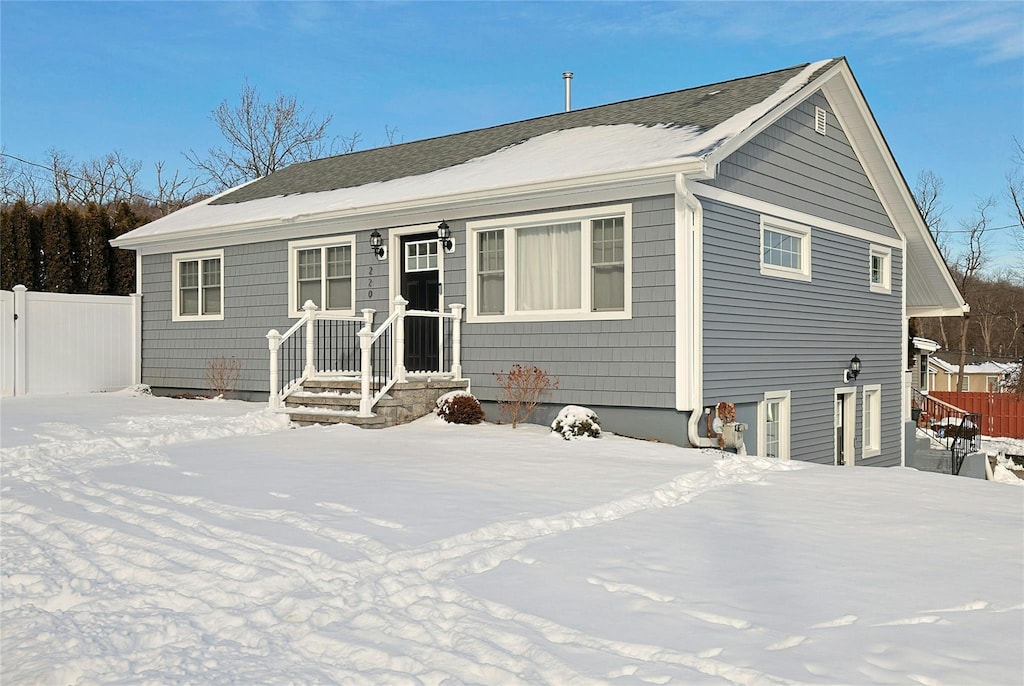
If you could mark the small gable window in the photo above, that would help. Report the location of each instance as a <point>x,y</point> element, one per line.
<point>198,286</point>
<point>880,269</point>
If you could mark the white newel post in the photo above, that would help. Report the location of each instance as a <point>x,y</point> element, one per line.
<point>274,342</point>
<point>20,339</point>
<point>310,308</point>
<point>365,343</point>
<point>457,340</point>
<point>400,305</point>
<point>368,316</point>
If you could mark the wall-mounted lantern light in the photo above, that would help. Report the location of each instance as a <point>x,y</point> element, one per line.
<point>444,237</point>
<point>853,371</point>
<point>377,243</point>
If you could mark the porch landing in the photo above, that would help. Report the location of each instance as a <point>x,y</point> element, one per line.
<point>337,402</point>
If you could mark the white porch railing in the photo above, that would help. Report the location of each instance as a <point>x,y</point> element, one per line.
<point>337,347</point>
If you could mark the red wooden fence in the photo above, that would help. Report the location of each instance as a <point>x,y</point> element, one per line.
<point>1002,413</point>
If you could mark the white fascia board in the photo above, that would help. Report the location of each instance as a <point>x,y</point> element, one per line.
<point>776,113</point>
<point>656,178</point>
<point>767,208</point>
<point>937,311</point>
<point>859,124</point>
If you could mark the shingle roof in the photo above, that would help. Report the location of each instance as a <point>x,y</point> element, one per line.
<point>702,107</point>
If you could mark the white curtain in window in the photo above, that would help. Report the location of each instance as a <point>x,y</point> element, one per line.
<point>548,260</point>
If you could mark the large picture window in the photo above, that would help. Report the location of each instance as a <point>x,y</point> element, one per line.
<point>558,266</point>
<point>322,271</point>
<point>198,286</point>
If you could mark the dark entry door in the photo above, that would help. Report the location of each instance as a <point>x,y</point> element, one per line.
<point>421,286</point>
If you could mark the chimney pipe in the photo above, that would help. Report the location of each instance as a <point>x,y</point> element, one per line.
<point>567,75</point>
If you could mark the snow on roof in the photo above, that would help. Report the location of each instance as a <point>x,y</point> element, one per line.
<point>976,368</point>
<point>925,344</point>
<point>564,154</point>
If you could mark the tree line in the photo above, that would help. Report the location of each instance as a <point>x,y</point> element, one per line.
<point>62,248</point>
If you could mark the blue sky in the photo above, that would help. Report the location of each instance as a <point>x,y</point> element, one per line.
<point>944,80</point>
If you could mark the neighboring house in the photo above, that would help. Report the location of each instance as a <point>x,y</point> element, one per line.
<point>922,372</point>
<point>739,242</point>
<point>984,377</point>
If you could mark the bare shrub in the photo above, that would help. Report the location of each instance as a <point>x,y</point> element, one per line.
<point>222,375</point>
<point>522,389</point>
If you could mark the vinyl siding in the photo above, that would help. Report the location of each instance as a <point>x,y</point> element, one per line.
<point>255,276</point>
<point>765,333</point>
<point>624,363</point>
<point>790,165</point>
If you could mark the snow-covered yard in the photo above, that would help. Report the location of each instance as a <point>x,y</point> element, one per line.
<point>151,540</point>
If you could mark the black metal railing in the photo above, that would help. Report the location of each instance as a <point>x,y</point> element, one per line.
<point>958,430</point>
<point>381,355</point>
<point>337,345</point>
<point>291,359</point>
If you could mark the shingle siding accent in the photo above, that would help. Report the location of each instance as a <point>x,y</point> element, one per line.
<point>626,363</point>
<point>176,354</point>
<point>791,165</point>
<point>766,333</point>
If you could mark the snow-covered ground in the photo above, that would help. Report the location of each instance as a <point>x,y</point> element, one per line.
<point>151,540</point>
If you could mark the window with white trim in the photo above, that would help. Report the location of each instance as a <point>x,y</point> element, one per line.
<point>871,422</point>
<point>322,270</point>
<point>198,286</point>
<point>549,267</point>
<point>992,384</point>
<point>773,425</point>
<point>785,249</point>
<point>880,269</point>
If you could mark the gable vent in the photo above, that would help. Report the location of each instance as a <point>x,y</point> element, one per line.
<point>820,118</point>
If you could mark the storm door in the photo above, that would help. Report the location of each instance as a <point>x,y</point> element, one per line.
<point>421,286</point>
<point>845,418</point>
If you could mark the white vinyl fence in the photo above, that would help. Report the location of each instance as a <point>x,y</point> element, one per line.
<point>55,342</point>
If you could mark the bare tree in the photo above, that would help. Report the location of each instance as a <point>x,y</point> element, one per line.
<point>104,180</point>
<point>262,137</point>
<point>968,265</point>
<point>174,192</point>
<point>928,196</point>
<point>1015,189</point>
<point>19,181</point>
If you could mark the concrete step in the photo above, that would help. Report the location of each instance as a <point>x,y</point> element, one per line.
<point>337,401</point>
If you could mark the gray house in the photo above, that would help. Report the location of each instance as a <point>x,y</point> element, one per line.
<point>740,242</point>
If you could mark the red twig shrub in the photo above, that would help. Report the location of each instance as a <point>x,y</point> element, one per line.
<point>222,374</point>
<point>522,389</point>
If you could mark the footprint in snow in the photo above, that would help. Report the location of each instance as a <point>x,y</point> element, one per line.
<point>191,474</point>
<point>280,495</point>
<point>845,620</point>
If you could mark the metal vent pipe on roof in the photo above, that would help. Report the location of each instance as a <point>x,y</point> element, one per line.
<point>567,75</point>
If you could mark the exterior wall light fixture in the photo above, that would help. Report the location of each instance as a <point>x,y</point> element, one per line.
<point>377,243</point>
<point>853,371</point>
<point>444,237</point>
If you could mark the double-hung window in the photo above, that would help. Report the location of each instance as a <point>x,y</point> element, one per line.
<point>198,286</point>
<point>872,421</point>
<point>559,266</point>
<point>785,249</point>
<point>322,271</point>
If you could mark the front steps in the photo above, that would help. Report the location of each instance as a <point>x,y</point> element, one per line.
<point>337,402</point>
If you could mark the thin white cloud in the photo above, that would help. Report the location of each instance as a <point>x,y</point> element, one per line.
<point>993,31</point>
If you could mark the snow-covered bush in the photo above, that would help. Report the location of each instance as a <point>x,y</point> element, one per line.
<point>459,407</point>
<point>576,422</point>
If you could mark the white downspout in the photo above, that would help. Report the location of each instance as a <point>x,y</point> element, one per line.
<point>692,218</point>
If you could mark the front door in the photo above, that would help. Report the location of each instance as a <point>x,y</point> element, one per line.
<point>421,286</point>
<point>844,412</point>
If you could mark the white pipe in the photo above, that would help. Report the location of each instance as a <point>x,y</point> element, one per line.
<point>567,76</point>
<point>686,199</point>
